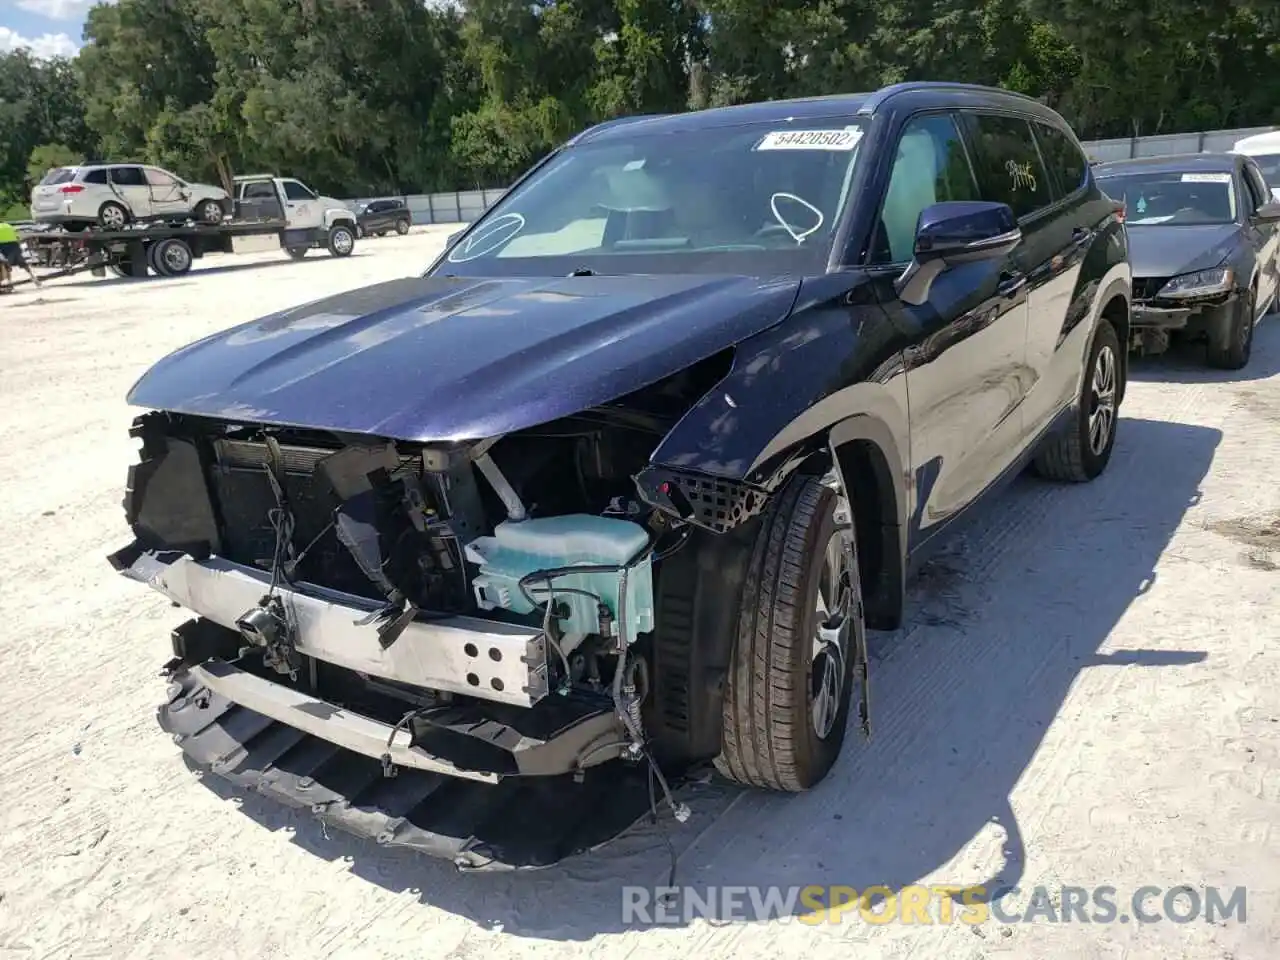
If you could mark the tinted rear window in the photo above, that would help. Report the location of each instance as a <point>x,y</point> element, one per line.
<point>1008,164</point>
<point>58,175</point>
<point>1062,157</point>
<point>96,176</point>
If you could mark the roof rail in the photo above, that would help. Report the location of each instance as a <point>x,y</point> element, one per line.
<point>254,176</point>
<point>614,122</point>
<point>877,99</point>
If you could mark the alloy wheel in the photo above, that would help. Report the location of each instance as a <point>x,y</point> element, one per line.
<point>1102,400</point>
<point>834,622</point>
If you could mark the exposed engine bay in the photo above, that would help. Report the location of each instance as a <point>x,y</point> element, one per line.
<point>475,609</point>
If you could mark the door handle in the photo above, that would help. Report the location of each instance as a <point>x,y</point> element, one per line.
<point>1011,283</point>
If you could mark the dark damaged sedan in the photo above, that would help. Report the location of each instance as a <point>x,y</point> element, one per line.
<point>480,562</point>
<point>1204,240</point>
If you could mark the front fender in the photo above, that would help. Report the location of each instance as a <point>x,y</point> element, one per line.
<point>837,356</point>
<point>334,215</point>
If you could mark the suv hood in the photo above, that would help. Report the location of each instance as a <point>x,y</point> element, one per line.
<point>208,191</point>
<point>1156,251</point>
<point>436,358</point>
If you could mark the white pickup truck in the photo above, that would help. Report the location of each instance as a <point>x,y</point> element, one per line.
<point>310,220</point>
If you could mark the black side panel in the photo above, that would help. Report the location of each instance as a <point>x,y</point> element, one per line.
<point>699,597</point>
<point>167,501</point>
<point>520,823</point>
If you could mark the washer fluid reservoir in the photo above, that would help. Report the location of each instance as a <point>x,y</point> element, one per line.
<point>518,549</point>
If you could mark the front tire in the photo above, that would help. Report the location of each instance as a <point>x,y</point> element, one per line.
<point>1082,452</point>
<point>1233,349</point>
<point>787,698</point>
<point>210,212</point>
<point>342,240</point>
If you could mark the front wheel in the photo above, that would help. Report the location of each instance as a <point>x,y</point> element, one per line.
<point>788,693</point>
<point>1082,452</point>
<point>209,211</point>
<point>1232,349</point>
<point>342,240</point>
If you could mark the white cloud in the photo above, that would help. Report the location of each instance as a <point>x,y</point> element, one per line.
<point>58,9</point>
<point>42,47</point>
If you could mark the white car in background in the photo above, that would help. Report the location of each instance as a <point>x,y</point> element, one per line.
<point>111,195</point>
<point>1264,148</point>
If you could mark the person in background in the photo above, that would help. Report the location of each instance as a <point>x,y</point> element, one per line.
<point>11,256</point>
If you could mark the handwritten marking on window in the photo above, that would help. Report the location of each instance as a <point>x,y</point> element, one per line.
<point>1021,176</point>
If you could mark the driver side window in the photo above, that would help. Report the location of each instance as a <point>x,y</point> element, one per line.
<point>931,166</point>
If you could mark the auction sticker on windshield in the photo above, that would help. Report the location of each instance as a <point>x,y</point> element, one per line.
<point>1206,178</point>
<point>842,140</point>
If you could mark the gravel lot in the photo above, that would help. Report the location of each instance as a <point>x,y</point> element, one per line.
<point>1086,693</point>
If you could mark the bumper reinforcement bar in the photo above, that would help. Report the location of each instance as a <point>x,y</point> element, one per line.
<point>494,661</point>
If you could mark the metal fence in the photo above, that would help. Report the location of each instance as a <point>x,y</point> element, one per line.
<point>464,206</point>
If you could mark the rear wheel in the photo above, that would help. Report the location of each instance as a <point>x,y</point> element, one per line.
<point>1082,452</point>
<point>112,215</point>
<point>1232,352</point>
<point>297,253</point>
<point>787,699</point>
<point>172,257</point>
<point>402,227</point>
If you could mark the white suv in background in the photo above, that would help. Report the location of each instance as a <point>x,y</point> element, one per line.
<point>1264,148</point>
<point>114,194</point>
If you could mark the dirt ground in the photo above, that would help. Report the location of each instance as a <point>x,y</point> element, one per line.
<point>1086,693</point>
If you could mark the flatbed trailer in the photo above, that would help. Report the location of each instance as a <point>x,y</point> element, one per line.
<point>165,249</point>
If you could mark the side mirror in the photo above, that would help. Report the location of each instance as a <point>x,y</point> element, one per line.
<point>1267,213</point>
<point>453,238</point>
<point>953,233</point>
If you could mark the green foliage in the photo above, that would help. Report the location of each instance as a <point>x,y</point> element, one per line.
<point>47,156</point>
<point>400,96</point>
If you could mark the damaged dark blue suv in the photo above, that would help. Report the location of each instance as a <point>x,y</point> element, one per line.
<point>616,487</point>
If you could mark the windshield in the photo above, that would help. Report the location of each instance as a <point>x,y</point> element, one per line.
<point>754,199</point>
<point>1173,198</point>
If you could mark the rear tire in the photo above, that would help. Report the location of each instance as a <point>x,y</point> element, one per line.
<point>1080,453</point>
<point>402,227</point>
<point>297,253</point>
<point>787,698</point>
<point>112,216</point>
<point>172,257</point>
<point>1235,353</point>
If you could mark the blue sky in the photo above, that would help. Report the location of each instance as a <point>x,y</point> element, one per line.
<point>47,27</point>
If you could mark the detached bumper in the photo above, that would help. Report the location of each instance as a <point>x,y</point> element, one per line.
<point>519,823</point>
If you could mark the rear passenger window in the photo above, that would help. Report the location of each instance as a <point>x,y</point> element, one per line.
<point>128,176</point>
<point>930,167</point>
<point>1062,157</point>
<point>96,176</point>
<point>1008,164</point>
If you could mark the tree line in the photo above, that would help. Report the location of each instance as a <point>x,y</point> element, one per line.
<point>359,97</point>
